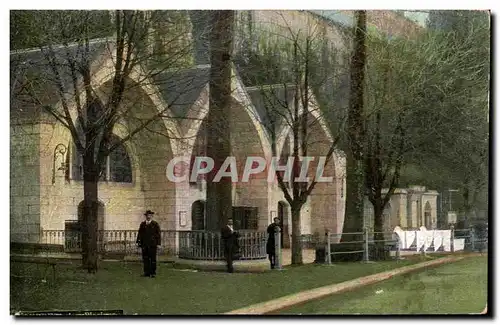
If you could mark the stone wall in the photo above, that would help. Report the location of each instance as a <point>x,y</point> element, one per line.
<point>293,21</point>
<point>389,22</point>
<point>124,203</point>
<point>24,183</point>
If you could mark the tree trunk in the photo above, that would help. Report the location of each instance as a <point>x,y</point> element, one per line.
<point>355,195</point>
<point>296,235</point>
<point>378,224</point>
<point>378,228</point>
<point>466,207</point>
<point>219,194</point>
<point>90,215</point>
<point>355,165</point>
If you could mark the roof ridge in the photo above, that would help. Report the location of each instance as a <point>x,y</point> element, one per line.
<point>59,46</point>
<point>271,86</point>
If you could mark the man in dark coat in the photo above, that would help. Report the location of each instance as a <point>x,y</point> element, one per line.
<point>149,239</point>
<point>231,247</point>
<point>271,243</point>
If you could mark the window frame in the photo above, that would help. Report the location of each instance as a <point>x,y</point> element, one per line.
<point>77,176</point>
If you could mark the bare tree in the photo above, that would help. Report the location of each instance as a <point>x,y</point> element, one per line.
<point>62,82</point>
<point>287,68</point>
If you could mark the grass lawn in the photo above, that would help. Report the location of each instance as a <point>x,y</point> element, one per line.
<point>118,285</point>
<point>455,288</point>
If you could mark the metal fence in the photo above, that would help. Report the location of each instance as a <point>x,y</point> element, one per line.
<point>360,243</point>
<point>473,240</point>
<point>365,243</point>
<point>208,245</point>
<point>196,244</point>
<point>108,241</point>
<point>310,241</point>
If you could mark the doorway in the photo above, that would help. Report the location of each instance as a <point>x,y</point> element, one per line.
<point>246,218</point>
<point>427,215</point>
<point>198,215</point>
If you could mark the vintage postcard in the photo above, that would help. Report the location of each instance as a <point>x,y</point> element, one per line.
<point>243,162</point>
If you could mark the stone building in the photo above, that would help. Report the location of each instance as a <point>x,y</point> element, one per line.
<point>408,208</point>
<point>46,172</point>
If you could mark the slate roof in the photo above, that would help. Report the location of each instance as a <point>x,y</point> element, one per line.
<point>37,61</point>
<point>180,89</point>
<point>30,70</point>
<point>272,103</point>
<point>269,101</point>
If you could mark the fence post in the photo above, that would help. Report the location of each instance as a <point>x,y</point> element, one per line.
<point>472,239</point>
<point>277,249</point>
<point>367,258</point>
<point>398,250</point>
<point>452,241</point>
<point>328,248</point>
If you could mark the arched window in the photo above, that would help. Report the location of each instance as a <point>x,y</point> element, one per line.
<point>116,169</point>
<point>120,168</point>
<point>76,164</point>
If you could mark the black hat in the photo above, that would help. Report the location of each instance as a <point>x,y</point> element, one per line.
<point>148,212</point>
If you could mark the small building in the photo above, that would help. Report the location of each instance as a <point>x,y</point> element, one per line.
<point>408,208</point>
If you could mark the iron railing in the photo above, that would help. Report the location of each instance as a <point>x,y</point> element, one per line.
<point>208,245</point>
<point>196,244</point>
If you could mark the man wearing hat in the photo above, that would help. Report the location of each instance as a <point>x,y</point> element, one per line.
<point>231,248</point>
<point>149,239</point>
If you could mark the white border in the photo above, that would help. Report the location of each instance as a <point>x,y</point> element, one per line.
<point>186,4</point>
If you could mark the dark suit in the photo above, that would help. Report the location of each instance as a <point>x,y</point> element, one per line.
<point>148,238</point>
<point>271,244</point>
<point>230,240</point>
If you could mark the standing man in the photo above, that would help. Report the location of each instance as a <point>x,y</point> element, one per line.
<point>271,243</point>
<point>149,239</point>
<point>230,239</point>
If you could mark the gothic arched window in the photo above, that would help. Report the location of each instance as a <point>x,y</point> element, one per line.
<point>120,168</point>
<point>116,169</point>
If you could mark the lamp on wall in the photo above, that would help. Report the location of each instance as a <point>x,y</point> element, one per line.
<point>60,149</point>
<point>59,152</point>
